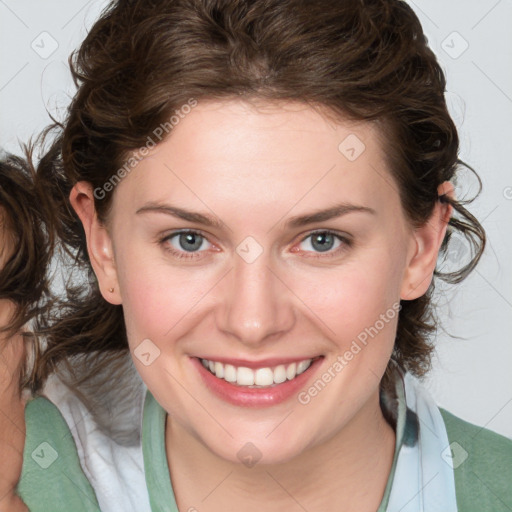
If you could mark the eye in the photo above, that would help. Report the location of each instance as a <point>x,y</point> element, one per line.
<point>185,244</point>
<point>324,242</point>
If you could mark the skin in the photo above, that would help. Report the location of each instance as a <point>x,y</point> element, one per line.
<point>253,168</point>
<point>12,419</point>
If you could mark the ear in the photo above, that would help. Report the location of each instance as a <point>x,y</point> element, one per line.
<point>425,244</point>
<point>99,242</point>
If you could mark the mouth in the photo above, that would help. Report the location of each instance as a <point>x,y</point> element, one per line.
<point>261,377</point>
<point>262,384</point>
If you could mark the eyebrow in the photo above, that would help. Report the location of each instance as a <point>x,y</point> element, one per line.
<point>181,213</point>
<point>329,213</point>
<point>294,222</point>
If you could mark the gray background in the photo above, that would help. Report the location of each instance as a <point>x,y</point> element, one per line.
<point>473,41</point>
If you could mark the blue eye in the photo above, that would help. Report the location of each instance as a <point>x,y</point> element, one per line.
<point>189,241</point>
<point>325,242</point>
<point>185,242</point>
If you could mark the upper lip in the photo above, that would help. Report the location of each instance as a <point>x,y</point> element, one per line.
<point>263,363</point>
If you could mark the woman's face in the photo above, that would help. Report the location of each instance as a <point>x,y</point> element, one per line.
<point>293,248</point>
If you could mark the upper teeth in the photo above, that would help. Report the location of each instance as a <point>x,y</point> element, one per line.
<point>261,377</point>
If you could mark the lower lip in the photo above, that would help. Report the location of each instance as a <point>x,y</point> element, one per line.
<point>255,397</point>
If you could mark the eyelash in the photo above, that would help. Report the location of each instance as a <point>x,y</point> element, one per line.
<point>346,243</point>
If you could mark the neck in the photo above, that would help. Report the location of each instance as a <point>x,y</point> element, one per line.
<point>347,472</point>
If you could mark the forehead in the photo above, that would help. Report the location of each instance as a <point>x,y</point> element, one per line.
<point>264,153</point>
<point>272,132</point>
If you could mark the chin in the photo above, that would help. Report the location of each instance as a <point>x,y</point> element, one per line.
<point>250,446</point>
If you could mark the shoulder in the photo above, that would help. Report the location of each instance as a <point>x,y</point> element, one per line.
<point>482,464</point>
<point>51,477</point>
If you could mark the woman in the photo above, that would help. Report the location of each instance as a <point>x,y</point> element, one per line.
<point>259,192</point>
<point>24,256</point>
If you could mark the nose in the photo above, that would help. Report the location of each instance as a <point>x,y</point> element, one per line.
<point>257,306</point>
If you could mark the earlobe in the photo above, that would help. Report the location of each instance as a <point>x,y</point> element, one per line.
<point>99,242</point>
<point>425,244</point>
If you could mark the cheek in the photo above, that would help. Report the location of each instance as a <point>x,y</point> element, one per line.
<point>353,297</point>
<point>159,304</point>
<point>156,292</point>
<point>157,296</point>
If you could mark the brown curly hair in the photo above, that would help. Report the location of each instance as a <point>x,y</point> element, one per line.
<point>142,60</point>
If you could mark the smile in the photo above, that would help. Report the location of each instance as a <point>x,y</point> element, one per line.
<point>266,383</point>
<point>259,378</point>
